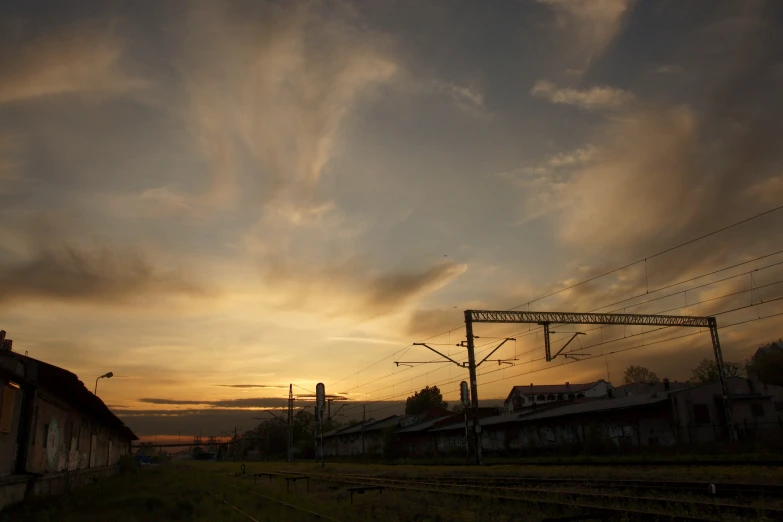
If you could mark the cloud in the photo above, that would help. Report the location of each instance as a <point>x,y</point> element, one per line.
<point>468,96</point>
<point>591,25</point>
<point>267,92</point>
<point>660,174</point>
<point>669,69</point>
<point>249,402</point>
<point>426,322</point>
<point>251,386</point>
<point>9,163</point>
<point>594,98</point>
<point>389,291</point>
<point>351,287</point>
<point>80,58</point>
<point>100,275</point>
<point>767,191</point>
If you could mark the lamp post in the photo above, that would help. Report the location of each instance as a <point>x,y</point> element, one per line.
<point>106,375</point>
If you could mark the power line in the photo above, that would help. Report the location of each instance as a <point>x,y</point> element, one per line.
<point>612,340</point>
<point>587,358</point>
<point>670,249</point>
<point>452,381</point>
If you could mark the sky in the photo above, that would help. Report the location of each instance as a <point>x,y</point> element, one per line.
<point>213,200</point>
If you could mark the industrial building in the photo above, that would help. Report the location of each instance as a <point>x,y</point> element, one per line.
<point>583,416</point>
<point>54,433</point>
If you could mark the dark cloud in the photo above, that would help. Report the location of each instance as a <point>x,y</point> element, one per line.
<point>361,291</point>
<point>100,275</point>
<point>41,59</point>
<point>251,386</point>
<point>249,402</point>
<point>426,322</point>
<point>390,291</point>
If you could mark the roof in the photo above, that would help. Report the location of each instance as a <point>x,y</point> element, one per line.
<point>420,426</point>
<point>546,389</point>
<point>370,425</point>
<point>596,406</point>
<point>66,385</point>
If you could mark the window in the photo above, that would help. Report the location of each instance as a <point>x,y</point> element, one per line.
<point>78,437</point>
<point>7,408</point>
<point>701,413</point>
<point>560,396</point>
<point>550,397</point>
<point>46,433</point>
<point>756,409</point>
<point>541,398</point>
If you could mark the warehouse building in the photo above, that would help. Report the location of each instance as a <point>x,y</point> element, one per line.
<point>54,433</point>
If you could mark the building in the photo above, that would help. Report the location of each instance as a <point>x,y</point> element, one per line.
<point>54,433</point>
<point>526,398</point>
<point>692,415</point>
<point>363,438</point>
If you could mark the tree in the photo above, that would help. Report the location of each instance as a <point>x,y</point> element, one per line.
<point>639,374</point>
<point>767,363</point>
<point>707,371</point>
<point>423,400</point>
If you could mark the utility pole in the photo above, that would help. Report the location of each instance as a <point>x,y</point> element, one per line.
<point>473,385</point>
<point>290,423</point>
<point>364,417</point>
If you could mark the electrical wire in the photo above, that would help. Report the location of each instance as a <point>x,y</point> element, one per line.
<point>447,382</point>
<point>617,339</point>
<point>670,249</point>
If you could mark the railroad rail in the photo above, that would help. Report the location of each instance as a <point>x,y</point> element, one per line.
<point>721,489</point>
<point>640,507</point>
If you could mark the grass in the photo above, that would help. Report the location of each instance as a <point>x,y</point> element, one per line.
<point>195,491</point>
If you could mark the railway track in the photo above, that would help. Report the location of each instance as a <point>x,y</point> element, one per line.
<point>721,489</point>
<point>636,507</point>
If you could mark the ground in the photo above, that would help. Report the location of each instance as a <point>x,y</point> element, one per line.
<point>210,491</point>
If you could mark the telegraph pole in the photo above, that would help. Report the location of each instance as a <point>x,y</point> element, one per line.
<point>473,385</point>
<point>364,417</point>
<point>290,423</point>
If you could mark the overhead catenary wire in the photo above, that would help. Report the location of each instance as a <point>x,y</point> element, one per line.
<point>575,285</point>
<point>488,372</point>
<point>592,345</point>
<point>526,333</point>
<point>587,358</point>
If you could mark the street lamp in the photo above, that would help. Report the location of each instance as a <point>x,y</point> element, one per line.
<point>107,375</point>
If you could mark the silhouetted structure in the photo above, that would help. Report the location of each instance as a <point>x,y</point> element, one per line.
<point>54,432</point>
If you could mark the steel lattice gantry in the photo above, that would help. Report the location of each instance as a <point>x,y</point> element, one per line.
<point>547,318</point>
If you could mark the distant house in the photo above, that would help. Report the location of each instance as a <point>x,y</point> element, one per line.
<point>53,430</point>
<point>525,398</point>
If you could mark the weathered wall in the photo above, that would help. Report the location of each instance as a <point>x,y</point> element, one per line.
<point>352,444</point>
<point>77,442</point>
<point>8,441</point>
